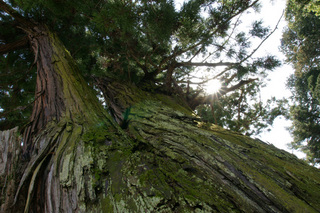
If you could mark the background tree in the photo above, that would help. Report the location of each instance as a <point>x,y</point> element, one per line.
<point>300,44</point>
<point>313,6</point>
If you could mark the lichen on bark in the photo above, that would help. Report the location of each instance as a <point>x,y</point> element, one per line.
<point>180,164</point>
<point>166,160</point>
<point>163,160</point>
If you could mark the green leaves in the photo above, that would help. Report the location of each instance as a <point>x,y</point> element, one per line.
<point>16,89</point>
<point>148,41</point>
<point>258,30</point>
<point>242,111</point>
<point>300,43</point>
<point>242,40</point>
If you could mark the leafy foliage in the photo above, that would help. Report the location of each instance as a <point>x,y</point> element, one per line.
<point>313,6</point>
<point>243,111</point>
<point>16,89</point>
<point>300,43</point>
<point>152,43</point>
<point>258,30</point>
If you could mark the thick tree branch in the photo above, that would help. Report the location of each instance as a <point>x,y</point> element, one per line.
<point>205,64</point>
<point>202,41</point>
<point>237,86</point>
<point>19,44</point>
<point>23,22</point>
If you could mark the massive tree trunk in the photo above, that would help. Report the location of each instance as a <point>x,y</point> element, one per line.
<point>174,164</point>
<point>55,173</point>
<point>77,159</point>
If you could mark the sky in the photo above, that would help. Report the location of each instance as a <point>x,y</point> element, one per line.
<point>270,13</point>
<point>279,135</point>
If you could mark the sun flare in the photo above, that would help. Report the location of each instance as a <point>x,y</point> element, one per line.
<point>213,86</point>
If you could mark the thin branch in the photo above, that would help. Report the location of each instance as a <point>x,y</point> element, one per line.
<point>258,47</point>
<point>230,79</point>
<point>144,68</point>
<point>215,31</point>
<point>195,54</point>
<point>179,52</point>
<point>190,82</point>
<point>239,104</point>
<point>21,108</point>
<point>21,43</point>
<point>223,91</point>
<point>148,59</point>
<point>227,40</point>
<point>249,56</point>
<point>23,22</point>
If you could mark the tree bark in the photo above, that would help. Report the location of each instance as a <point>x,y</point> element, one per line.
<point>175,164</point>
<point>64,109</point>
<point>77,159</point>
<point>10,167</point>
<point>180,165</point>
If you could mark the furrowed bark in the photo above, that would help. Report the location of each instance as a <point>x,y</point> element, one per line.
<point>56,170</point>
<point>61,92</point>
<point>11,167</point>
<point>163,160</point>
<point>64,109</point>
<point>181,165</point>
<point>175,164</point>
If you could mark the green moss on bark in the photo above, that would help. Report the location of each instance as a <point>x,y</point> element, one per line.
<point>167,161</point>
<point>181,165</point>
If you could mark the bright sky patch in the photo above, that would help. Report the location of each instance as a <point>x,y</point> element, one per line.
<point>213,86</point>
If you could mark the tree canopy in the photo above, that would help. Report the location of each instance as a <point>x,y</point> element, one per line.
<point>150,43</point>
<point>300,44</point>
<point>145,150</point>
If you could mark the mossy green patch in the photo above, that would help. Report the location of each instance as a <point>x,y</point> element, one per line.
<point>106,205</point>
<point>208,165</point>
<point>167,162</point>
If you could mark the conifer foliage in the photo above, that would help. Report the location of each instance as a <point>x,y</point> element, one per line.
<point>300,44</point>
<point>151,43</point>
<point>145,150</point>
